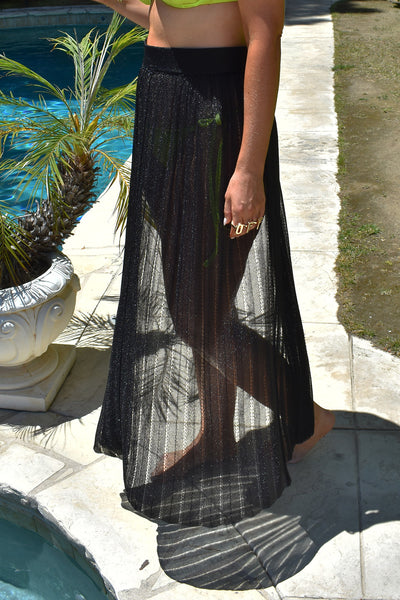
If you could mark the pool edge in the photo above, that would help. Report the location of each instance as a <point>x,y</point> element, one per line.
<point>26,512</point>
<point>53,16</point>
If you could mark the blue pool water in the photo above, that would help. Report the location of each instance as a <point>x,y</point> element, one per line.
<point>31,47</point>
<point>31,569</point>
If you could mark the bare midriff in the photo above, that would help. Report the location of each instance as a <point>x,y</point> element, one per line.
<point>205,26</point>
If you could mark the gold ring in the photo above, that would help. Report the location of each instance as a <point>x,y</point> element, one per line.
<point>260,220</point>
<point>240,228</point>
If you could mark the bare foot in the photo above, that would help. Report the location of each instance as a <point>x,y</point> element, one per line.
<point>200,451</point>
<point>324,422</point>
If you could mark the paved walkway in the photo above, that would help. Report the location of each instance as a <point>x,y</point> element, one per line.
<point>335,532</point>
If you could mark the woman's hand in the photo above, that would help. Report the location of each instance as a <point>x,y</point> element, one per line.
<point>244,202</point>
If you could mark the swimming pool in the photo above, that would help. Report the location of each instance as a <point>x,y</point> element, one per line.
<point>30,46</point>
<point>32,569</point>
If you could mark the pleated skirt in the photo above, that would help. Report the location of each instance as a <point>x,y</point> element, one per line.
<point>209,385</point>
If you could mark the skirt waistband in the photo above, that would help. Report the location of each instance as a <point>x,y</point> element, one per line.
<point>195,61</point>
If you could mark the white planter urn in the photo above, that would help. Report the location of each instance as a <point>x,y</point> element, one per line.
<point>32,315</point>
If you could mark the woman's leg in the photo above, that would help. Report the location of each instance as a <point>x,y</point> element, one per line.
<point>227,354</point>
<point>324,421</point>
<point>215,440</point>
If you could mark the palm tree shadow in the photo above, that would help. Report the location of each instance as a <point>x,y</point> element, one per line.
<point>278,542</point>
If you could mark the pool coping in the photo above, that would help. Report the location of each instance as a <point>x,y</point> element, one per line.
<point>26,512</point>
<point>50,16</point>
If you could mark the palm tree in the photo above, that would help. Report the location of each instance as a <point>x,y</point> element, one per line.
<point>65,152</point>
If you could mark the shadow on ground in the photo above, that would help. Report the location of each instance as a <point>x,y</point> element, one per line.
<point>347,6</point>
<point>315,11</point>
<point>326,497</point>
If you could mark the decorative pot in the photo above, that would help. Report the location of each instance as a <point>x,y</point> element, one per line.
<point>32,315</point>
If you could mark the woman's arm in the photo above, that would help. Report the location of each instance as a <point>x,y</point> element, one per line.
<point>262,23</point>
<point>134,10</point>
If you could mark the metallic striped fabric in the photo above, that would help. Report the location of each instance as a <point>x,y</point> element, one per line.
<point>209,385</point>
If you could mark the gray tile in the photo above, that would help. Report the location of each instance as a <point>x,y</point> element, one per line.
<point>316,285</point>
<point>376,385</point>
<point>318,151</point>
<point>380,513</point>
<point>313,214</point>
<point>83,390</point>
<point>185,591</point>
<point>321,241</point>
<point>25,427</point>
<point>23,469</point>
<point>324,497</point>
<point>328,350</point>
<point>71,439</point>
<point>88,506</point>
<point>5,415</point>
<point>302,119</point>
<point>301,179</point>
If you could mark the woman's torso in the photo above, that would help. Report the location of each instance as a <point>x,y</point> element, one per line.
<point>208,25</point>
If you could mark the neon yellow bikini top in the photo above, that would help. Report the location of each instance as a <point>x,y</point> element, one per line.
<point>189,3</point>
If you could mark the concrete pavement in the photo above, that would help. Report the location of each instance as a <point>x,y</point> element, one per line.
<point>335,532</point>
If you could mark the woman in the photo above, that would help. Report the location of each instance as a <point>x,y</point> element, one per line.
<point>209,392</point>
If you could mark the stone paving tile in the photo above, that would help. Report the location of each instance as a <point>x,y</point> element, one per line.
<point>109,302</point>
<point>310,224</point>
<point>334,572</point>
<point>321,31</point>
<point>315,285</point>
<point>315,151</point>
<point>72,439</point>
<point>101,217</point>
<point>83,390</point>
<point>86,262</point>
<point>23,469</point>
<point>304,119</point>
<point>312,214</point>
<point>21,426</point>
<point>324,496</point>
<point>88,506</point>
<point>301,105</point>
<point>306,87</point>
<point>380,513</point>
<point>329,356</point>
<point>270,594</point>
<point>318,48</point>
<point>316,182</point>
<point>376,384</point>
<point>93,286</point>
<point>100,330</point>
<point>5,415</point>
<point>323,241</point>
<point>185,591</point>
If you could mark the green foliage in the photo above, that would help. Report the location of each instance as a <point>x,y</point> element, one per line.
<point>58,143</point>
<point>14,243</point>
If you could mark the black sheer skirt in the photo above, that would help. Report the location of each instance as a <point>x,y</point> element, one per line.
<point>209,385</point>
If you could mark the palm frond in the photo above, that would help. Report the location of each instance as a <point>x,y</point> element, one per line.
<point>120,99</point>
<point>62,153</point>
<point>14,68</point>
<point>14,244</point>
<point>122,173</point>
